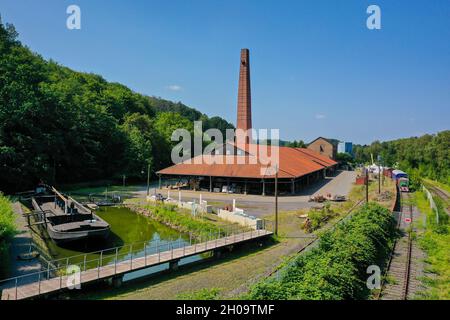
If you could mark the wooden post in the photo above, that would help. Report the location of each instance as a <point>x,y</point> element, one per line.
<point>210,184</point>
<point>379,178</point>
<point>263,187</point>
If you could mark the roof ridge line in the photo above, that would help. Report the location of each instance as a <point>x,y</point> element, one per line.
<point>310,155</point>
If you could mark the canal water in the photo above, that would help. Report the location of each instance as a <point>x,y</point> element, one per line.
<point>130,232</point>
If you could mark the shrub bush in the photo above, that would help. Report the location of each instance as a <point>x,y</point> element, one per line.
<point>7,225</point>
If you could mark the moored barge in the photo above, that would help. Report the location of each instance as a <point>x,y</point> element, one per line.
<point>66,219</point>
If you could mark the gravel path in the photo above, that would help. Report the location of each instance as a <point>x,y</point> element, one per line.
<point>20,245</point>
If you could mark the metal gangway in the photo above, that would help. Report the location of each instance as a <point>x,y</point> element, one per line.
<point>118,261</point>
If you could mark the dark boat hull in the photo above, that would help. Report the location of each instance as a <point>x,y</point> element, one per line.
<point>66,224</point>
<point>72,236</point>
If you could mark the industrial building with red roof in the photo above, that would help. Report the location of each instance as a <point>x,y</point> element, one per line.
<point>247,169</point>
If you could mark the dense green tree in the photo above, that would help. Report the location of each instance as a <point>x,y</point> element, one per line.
<point>344,157</point>
<point>426,156</point>
<point>295,144</point>
<point>63,126</point>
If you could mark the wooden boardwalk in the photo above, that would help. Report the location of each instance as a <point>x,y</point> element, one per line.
<point>119,268</point>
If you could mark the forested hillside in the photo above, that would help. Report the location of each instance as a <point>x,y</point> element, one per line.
<point>427,156</point>
<point>64,126</point>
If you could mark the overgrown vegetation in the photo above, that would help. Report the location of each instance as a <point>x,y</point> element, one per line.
<point>64,126</point>
<point>425,156</point>
<point>7,225</point>
<point>434,238</point>
<point>336,269</point>
<point>319,217</point>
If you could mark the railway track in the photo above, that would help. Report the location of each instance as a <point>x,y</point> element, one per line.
<point>404,266</point>
<point>441,194</point>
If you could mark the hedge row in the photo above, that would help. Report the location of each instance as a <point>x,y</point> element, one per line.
<point>337,268</point>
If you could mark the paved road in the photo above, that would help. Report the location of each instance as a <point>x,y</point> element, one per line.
<point>263,205</point>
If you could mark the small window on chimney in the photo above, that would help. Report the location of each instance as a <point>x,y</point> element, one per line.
<point>243,62</point>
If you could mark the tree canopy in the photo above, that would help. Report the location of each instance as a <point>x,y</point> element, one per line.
<point>426,156</point>
<point>63,126</point>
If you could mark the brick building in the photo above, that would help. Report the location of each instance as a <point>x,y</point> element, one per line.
<point>325,147</point>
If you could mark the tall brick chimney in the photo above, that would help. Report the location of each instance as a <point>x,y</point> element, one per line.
<point>244,112</point>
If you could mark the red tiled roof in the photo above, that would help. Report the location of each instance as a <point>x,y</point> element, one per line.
<point>293,163</point>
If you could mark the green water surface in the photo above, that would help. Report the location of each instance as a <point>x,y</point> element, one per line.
<point>130,232</point>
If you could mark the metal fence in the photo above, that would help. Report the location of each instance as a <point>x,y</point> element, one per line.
<point>122,259</point>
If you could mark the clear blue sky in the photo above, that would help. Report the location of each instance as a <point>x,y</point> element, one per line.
<point>316,69</point>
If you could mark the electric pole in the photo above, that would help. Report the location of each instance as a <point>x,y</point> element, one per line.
<point>379,174</point>
<point>367,185</point>
<point>276,200</point>
<point>379,178</point>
